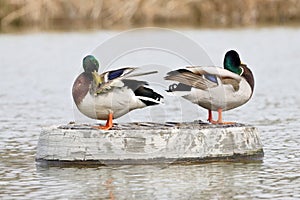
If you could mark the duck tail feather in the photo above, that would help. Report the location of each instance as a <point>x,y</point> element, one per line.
<point>148,96</point>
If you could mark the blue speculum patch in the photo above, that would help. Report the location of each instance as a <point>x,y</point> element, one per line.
<point>115,74</point>
<point>211,77</point>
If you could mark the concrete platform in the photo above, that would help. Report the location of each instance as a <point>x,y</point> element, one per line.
<point>148,143</point>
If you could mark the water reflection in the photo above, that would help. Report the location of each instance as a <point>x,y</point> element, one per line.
<point>212,180</point>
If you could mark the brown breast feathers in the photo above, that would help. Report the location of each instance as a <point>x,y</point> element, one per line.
<point>80,87</point>
<point>248,76</point>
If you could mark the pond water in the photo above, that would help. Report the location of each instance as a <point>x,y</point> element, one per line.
<point>37,72</point>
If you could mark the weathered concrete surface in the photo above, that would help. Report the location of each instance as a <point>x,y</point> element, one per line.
<point>148,143</point>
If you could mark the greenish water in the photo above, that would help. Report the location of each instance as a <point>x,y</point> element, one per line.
<point>37,71</point>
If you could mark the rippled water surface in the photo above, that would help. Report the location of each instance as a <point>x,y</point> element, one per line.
<point>37,71</point>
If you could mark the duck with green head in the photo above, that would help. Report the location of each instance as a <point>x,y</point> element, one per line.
<point>111,94</point>
<point>214,88</point>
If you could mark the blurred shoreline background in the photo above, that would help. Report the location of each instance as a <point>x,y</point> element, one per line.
<point>43,15</point>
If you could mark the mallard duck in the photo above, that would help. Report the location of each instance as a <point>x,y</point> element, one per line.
<point>111,94</point>
<point>215,88</point>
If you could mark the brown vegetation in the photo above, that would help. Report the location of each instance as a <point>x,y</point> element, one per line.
<point>135,13</point>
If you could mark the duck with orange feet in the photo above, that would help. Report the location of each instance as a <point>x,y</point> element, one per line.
<point>112,94</point>
<point>215,88</point>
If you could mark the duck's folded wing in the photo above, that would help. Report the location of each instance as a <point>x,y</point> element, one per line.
<point>204,77</point>
<point>126,72</point>
<point>226,77</point>
<point>217,71</point>
<point>114,78</point>
<point>187,77</point>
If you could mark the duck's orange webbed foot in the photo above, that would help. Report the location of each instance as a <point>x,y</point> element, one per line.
<point>109,123</point>
<point>219,121</point>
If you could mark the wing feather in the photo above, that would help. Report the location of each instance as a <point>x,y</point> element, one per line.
<point>189,78</point>
<point>114,78</point>
<point>204,77</point>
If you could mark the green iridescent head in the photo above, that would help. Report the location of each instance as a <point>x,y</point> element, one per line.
<point>232,62</point>
<point>90,64</point>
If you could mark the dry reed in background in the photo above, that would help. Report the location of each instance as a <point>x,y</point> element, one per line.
<point>137,13</point>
